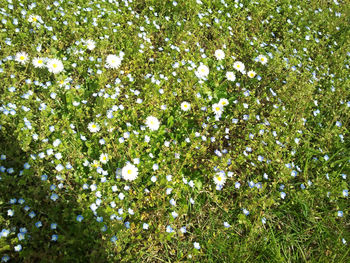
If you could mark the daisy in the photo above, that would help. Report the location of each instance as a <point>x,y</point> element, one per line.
<point>251,74</point>
<point>220,179</point>
<point>262,59</point>
<point>90,44</point>
<point>217,108</point>
<point>113,61</point>
<point>34,19</point>
<point>152,123</point>
<point>21,57</point>
<point>38,62</point>
<point>219,54</point>
<point>230,76</point>
<point>93,127</point>
<point>55,66</point>
<point>238,65</point>
<point>129,172</point>
<point>185,106</point>
<point>104,158</point>
<point>202,72</point>
<point>223,102</point>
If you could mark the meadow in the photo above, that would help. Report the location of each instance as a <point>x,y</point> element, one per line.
<point>174,131</point>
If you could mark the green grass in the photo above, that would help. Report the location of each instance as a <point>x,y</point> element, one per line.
<point>293,116</point>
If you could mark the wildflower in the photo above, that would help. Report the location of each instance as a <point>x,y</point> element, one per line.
<point>219,54</point>
<point>245,211</point>
<point>251,74</point>
<point>93,127</point>
<point>185,106</point>
<point>217,108</point>
<point>54,238</point>
<point>220,179</point>
<point>80,218</point>
<point>113,61</point>
<point>55,66</point>
<point>38,62</point>
<point>230,76</point>
<point>262,59</point>
<point>227,225</point>
<point>21,57</point>
<point>129,172</point>
<point>152,123</point>
<point>90,44</point>
<point>202,72</point>
<point>18,248</point>
<point>239,66</point>
<point>196,245</point>
<point>34,19</point>
<point>104,158</point>
<point>223,102</point>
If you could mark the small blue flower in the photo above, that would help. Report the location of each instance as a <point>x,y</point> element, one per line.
<point>38,224</point>
<point>227,225</point>
<point>114,239</point>
<point>18,248</point>
<point>5,258</point>
<point>245,211</point>
<point>104,228</point>
<point>80,218</point>
<point>340,213</point>
<point>53,226</point>
<point>54,197</point>
<point>127,224</point>
<point>54,238</point>
<point>21,236</point>
<point>32,214</point>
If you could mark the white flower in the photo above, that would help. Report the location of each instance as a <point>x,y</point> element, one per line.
<point>238,65</point>
<point>129,172</point>
<point>262,59</point>
<point>251,74</point>
<point>223,102</point>
<point>113,61</point>
<point>185,106</point>
<point>104,158</point>
<point>21,57</point>
<point>90,44</point>
<point>219,54</point>
<point>230,76</point>
<point>38,62</point>
<point>55,66</point>
<point>196,245</point>
<point>217,108</point>
<point>220,179</point>
<point>34,19</point>
<point>152,123</point>
<point>93,127</point>
<point>202,72</point>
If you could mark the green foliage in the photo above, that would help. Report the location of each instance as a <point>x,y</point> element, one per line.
<point>280,144</point>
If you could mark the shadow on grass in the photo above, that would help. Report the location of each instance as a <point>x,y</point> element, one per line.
<point>77,241</point>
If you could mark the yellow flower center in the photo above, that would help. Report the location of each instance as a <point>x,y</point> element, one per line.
<point>217,108</point>
<point>35,19</point>
<point>54,65</point>
<point>21,57</point>
<point>93,126</point>
<point>129,171</point>
<point>40,61</point>
<point>238,66</point>
<point>219,178</point>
